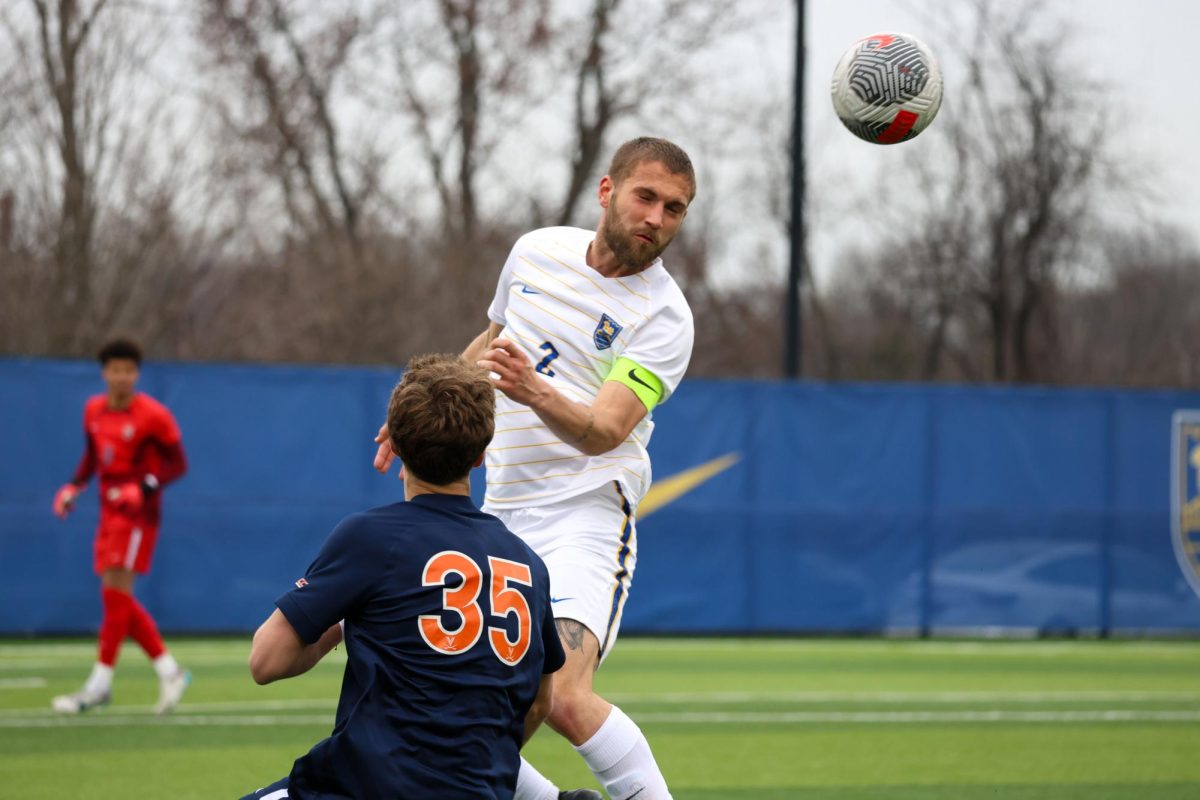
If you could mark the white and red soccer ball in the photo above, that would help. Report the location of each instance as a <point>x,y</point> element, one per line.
<point>887,88</point>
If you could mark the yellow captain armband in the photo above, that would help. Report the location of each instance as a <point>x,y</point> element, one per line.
<point>644,383</point>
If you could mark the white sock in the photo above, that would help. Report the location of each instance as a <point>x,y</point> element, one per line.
<point>165,666</point>
<point>620,758</point>
<point>100,681</point>
<point>532,785</point>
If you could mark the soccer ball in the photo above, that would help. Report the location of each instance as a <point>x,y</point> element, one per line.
<point>887,88</point>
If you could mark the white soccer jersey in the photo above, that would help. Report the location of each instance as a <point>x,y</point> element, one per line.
<point>573,324</point>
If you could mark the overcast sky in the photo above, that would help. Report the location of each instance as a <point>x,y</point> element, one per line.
<point>1146,50</point>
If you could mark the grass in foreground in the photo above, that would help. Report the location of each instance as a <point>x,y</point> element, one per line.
<point>777,719</point>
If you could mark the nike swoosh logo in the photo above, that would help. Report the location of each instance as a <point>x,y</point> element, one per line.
<point>670,489</point>
<point>560,599</point>
<point>526,290</point>
<point>633,377</point>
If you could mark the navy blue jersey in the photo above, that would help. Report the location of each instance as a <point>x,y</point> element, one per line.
<point>448,633</point>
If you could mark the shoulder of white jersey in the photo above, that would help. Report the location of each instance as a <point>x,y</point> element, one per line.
<point>667,291</point>
<point>556,233</point>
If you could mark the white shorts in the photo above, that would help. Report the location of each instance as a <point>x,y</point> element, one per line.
<point>589,544</point>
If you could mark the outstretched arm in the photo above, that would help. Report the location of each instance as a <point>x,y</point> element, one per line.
<point>591,429</point>
<point>277,651</point>
<point>480,343</point>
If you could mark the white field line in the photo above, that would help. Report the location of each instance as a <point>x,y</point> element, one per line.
<point>684,718</point>
<point>102,720</point>
<point>715,698</point>
<point>911,717</point>
<point>692,698</point>
<point>236,650</point>
<point>245,706</point>
<point>85,649</point>
<point>22,683</point>
<point>902,697</point>
<point>999,648</point>
<point>238,659</point>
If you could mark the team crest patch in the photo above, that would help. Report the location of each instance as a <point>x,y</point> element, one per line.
<point>1185,493</point>
<point>606,331</point>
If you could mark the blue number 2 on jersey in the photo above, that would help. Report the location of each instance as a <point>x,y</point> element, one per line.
<point>544,365</point>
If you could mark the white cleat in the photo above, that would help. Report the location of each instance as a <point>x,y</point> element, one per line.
<point>171,692</point>
<point>79,702</point>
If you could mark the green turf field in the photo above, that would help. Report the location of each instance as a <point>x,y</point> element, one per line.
<point>727,719</point>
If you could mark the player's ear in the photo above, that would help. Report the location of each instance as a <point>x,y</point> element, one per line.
<point>479,461</point>
<point>606,187</point>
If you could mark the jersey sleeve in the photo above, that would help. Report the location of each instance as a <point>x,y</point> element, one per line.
<point>499,306</point>
<point>164,427</point>
<point>663,345</point>
<point>341,577</point>
<point>87,463</point>
<point>166,438</point>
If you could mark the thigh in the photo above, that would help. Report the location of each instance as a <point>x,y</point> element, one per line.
<point>124,543</point>
<point>589,545</point>
<point>276,791</point>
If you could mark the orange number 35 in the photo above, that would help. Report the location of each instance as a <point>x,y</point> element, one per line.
<point>463,600</point>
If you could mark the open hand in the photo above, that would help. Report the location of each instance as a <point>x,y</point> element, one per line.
<point>512,372</point>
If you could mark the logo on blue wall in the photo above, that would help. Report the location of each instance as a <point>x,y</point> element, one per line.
<point>1185,493</point>
<point>606,331</point>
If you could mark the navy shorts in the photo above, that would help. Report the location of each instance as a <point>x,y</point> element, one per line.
<point>276,791</point>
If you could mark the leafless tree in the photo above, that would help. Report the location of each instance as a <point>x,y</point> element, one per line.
<point>91,214</point>
<point>464,75</point>
<point>992,226</point>
<point>276,75</point>
<point>1137,324</point>
<point>626,58</point>
<point>279,108</point>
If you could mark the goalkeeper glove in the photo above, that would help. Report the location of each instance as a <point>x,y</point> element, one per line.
<point>126,497</point>
<point>64,499</point>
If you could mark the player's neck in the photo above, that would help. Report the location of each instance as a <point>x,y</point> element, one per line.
<point>414,486</point>
<point>602,259</point>
<point>119,402</point>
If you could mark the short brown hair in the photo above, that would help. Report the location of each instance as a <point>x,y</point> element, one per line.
<point>441,417</point>
<point>647,148</point>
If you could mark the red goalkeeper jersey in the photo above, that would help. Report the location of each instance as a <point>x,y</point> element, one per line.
<point>127,445</point>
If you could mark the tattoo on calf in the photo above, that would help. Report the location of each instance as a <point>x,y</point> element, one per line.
<point>571,633</point>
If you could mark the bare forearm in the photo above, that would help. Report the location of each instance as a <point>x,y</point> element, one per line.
<point>573,423</point>
<point>277,653</point>
<point>592,429</point>
<point>312,653</point>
